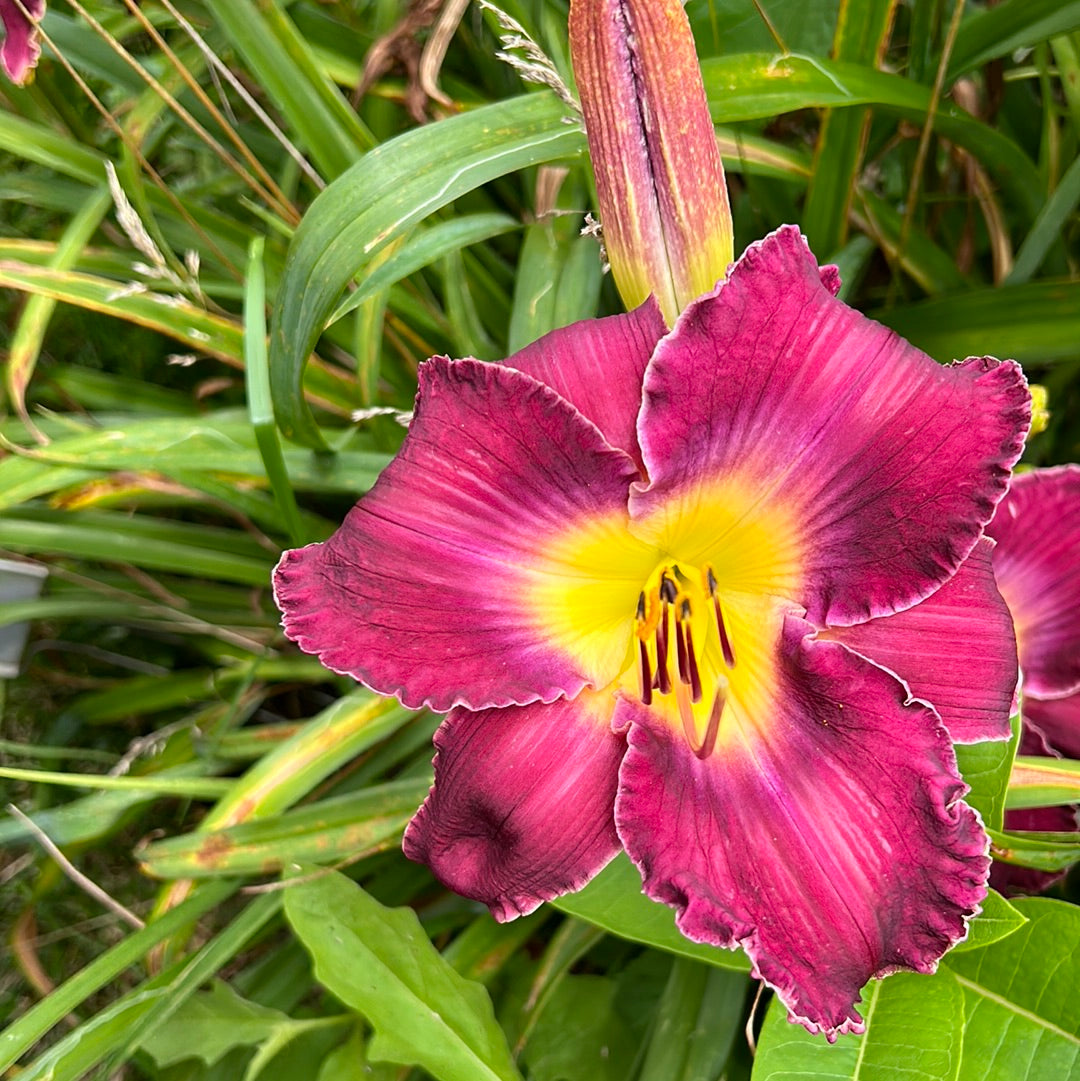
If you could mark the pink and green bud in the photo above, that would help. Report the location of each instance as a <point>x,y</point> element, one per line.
<point>659,178</point>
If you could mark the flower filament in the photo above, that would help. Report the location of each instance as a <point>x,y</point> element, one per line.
<point>667,608</point>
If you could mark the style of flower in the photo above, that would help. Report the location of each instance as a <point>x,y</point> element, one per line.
<point>690,594</point>
<point>20,51</point>
<point>1037,566</point>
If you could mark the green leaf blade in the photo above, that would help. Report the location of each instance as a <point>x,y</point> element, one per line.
<point>380,962</point>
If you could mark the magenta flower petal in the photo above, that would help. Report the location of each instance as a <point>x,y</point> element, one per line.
<point>1057,720</point>
<point>891,463</point>
<point>828,839</point>
<point>956,650</point>
<point>521,808</point>
<point>424,590</point>
<point>598,365</point>
<point>1037,563</point>
<point>21,49</point>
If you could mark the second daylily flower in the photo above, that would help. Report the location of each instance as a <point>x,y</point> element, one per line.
<point>689,594</point>
<point>1037,565</point>
<point>21,49</point>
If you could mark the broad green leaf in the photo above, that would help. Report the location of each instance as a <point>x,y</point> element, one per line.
<point>914,1032</point>
<point>754,86</point>
<point>102,537</point>
<point>1037,323</point>
<point>24,1032</point>
<point>380,962</point>
<point>25,345</point>
<point>425,247</point>
<point>481,950</point>
<point>997,30</point>
<point>326,831</point>
<point>221,444</point>
<point>985,767</point>
<point>218,951</point>
<point>613,900</point>
<point>328,129</point>
<point>1042,850</point>
<point>737,26</point>
<point>1043,782</point>
<point>210,1024</point>
<point>380,199</point>
<point>1048,226</point>
<point>699,1016</point>
<point>40,144</point>
<point>579,1035</point>
<point>998,919</point>
<point>558,272</point>
<point>260,406</point>
<point>191,787</point>
<point>196,329</point>
<point>862,30</point>
<point>1023,1012</point>
<point>352,724</point>
<point>349,1062</point>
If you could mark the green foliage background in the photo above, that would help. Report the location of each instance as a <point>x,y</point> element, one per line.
<point>173,423</point>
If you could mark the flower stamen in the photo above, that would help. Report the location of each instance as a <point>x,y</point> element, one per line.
<point>725,642</point>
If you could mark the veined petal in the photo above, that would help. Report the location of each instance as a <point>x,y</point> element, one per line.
<point>889,463</point>
<point>598,365</point>
<point>1057,720</point>
<point>21,49</point>
<point>955,650</point>
<point>659,177</point>
<point>828,837</point>
<point>1037,563</point>
<point>521,808</point>
<point>436,586</point>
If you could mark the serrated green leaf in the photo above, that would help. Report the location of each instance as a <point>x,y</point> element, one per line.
<point>380,962</point>
<point>914,1032</point>
<point>613,900</point>
<point>1023,1013</point>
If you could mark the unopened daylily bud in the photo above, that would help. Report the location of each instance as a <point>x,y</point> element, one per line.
<point>659,179</point>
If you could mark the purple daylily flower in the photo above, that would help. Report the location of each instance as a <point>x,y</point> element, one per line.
<point>1037,566</point>
<point>20,51</point>
<point>689,594</point>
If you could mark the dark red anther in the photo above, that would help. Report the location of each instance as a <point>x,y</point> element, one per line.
<point>646,675</point>
<point>725,642</point>
<point>662,679</point>
<point>692,665</point>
